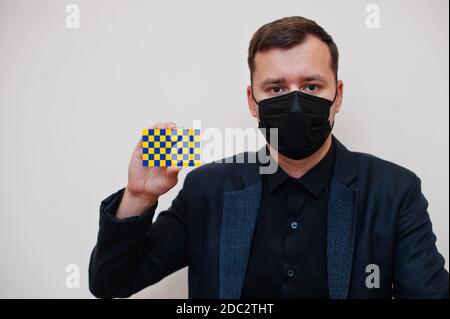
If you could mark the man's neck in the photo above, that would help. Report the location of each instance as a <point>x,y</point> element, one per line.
<point>298,168</point>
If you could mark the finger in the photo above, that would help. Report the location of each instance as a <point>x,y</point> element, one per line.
<point>137,152</point>
<point>174,170</point>
<point>171,125</point>
<point>160,125</point>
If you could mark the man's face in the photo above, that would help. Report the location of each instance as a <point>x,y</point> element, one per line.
<point>305,67</point>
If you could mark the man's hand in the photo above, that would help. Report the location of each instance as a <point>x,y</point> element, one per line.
<point>146,184</point>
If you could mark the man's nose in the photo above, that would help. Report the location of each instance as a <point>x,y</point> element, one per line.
<point>296,106</point>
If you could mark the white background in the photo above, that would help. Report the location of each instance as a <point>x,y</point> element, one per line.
<point>73,103</point>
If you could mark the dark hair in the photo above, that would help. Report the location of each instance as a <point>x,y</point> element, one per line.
<point>286,33</point>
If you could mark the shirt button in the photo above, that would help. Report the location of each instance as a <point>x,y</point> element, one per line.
<point>294,225</point>
<point>290,272</point>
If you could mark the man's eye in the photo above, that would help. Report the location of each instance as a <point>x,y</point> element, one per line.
<point>276,90</point>
<point>311,88</point>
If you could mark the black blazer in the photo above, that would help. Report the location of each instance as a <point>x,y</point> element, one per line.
<point>377,215</point>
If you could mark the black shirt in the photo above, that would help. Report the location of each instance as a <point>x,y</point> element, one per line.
<point>288,258</point>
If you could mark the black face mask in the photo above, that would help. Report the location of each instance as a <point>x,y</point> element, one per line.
<point>301,120</point>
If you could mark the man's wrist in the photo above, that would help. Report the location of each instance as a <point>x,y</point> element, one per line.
<point>133,204</point>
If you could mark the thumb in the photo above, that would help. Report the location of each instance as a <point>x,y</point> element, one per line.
<point>173,170</point>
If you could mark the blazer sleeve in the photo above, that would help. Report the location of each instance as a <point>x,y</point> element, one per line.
<point>134,253</point>
<point>418,267</point>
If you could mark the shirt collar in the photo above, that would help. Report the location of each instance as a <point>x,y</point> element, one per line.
<point>314,180</point>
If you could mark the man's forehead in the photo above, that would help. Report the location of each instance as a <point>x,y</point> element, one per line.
<point>310,57</point>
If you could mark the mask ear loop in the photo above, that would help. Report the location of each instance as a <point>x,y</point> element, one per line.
<point>335,96</point>
<point>328,122</point>
<point>267,131</point>
<point>334,100</point>
<point>251,87</point>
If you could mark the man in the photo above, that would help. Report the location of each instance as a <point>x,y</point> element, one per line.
<point>329,223</point>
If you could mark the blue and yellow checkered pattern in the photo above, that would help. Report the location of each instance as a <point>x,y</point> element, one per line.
<point>171,147</point>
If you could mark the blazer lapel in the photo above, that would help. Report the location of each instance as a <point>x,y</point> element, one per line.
<point>341,225</point>
<point>340,238</point>
<point>240,211</point>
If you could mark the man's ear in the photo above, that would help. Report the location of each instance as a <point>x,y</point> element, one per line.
<point>339,97</point>
<point>252,106</point>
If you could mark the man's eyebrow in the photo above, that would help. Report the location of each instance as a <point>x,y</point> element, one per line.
<point>272,81</point>
<point>312,77</point>
<point>315,77</point>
